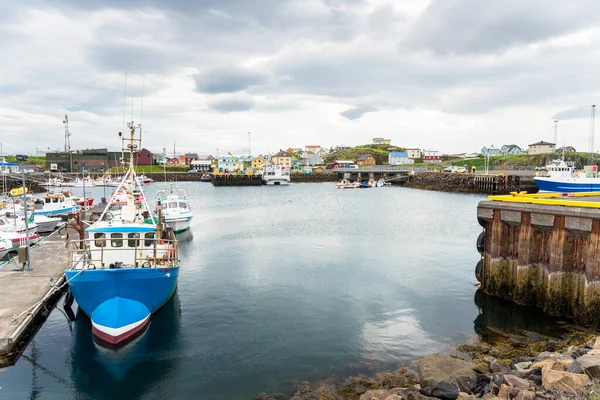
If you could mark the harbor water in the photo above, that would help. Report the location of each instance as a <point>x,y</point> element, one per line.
<point>281,285</point>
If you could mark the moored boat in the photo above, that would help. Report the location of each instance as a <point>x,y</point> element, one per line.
<point>276,175</point>
<point>56,204</point>
<point>17,231</point>
<point>126,269</point>
<point>561,176</point>
<point>175,208</point>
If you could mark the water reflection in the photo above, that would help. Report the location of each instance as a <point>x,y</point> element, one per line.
<point>497,314</point>
<point>133,370</point>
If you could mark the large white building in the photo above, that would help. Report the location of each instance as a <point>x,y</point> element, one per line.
<point>414,153</point>
<point>399,158</point>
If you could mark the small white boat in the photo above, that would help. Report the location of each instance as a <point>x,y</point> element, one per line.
<point>347,184</point>
<point>276,175</point>
<point>175,208</point>
<point>16,231</point>
<point>45,224</point>
<point>5,247</point>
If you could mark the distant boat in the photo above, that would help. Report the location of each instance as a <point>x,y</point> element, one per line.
<point>561,176</point>
<point>125,269</point>
<point>175,208</point>
<point>56,204</point>
<point>276,175</point>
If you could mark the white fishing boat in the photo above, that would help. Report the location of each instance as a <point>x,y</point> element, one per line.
<point>563,177</point>
<point>276,175</point>
<point>56,204</point>
<point>44,223</point>
<point>175,208</point>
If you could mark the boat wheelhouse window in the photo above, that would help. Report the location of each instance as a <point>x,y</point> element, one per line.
<point>173,204</point>
<point>149,239</point>
<point>116,240</point>
<point>182,204</point>
<point>48,200</point>
<point>55,200</point>
<point>134,240</point>
<point>99,239</point>
<point>163,205</point>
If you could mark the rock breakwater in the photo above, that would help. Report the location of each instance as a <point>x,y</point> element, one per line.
<point>471,183</point>
<point>515,369</point>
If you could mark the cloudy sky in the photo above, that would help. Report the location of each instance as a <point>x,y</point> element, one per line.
<point>448,74</point>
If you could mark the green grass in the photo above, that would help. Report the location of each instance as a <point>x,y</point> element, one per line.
<point>30,160</point>
<point>379,151</point>
<point>527,161</point>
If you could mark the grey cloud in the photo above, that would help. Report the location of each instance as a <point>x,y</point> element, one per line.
<point>574,113</point>
<point>357,112</point>
<point>232,104</point>
<point>474,26</point>
<point>227,80</point>
<point>136,58</point>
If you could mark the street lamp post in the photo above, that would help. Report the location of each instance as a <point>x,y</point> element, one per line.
<point>83,177</point>
<point>103,181</point>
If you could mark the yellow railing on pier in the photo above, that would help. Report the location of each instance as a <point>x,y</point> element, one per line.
<point>552,199</point>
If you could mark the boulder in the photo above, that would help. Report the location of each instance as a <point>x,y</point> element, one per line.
<point>482,368</point>
<point>375,395</point>
<point>575,368</point>
<point>445,391</point>
<point>590,364</point>
<point>523,365</point>
<point>499,368</point>
<point>394,397</point>
<point>517,382</point>
<point>543,364</point>
<point>465,396</point>
<point>467,383</point>
<point>436,368</point>
<point>525,395</point>
<point>504,392</point>
<point>564,381</point>
<point>518,360</point>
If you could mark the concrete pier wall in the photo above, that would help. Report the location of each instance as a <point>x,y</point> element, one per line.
<point>542,255</point>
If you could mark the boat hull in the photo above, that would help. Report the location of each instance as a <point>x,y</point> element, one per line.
<point>567,185</point>
<point>180,224</point>
<point>120,301</point>
<point>58,212</point>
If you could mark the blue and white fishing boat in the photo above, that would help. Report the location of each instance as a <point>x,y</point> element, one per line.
<point>56,205</point>
<point>561,176</point>
<point>175,208</point>
<point>124,269</point>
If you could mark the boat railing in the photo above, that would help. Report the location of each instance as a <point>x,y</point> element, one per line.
<point>83,254</point>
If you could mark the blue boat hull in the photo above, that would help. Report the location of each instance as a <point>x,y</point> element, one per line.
<point>546,185</point>
<point>120,301</point>
<point>62,211</point>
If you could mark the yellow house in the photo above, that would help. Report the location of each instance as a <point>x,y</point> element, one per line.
<point>541,148</point>
<point>258,162</point>
<point>290,150</point>
<point>282,158</point>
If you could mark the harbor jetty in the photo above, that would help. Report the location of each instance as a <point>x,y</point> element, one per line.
<point>543,250</point>
<point>28,295</point>
<point>496,183</point>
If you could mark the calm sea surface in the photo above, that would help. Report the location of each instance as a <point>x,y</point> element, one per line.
<point>285,284</point>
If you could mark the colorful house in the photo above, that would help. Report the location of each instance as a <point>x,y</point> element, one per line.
<point>366,160</point>
<point>258,162</point>
<point>145,157</point>
<point>282,158</point>
<point>541,148</point>
<point>414,153</point>
<point>432,156</point>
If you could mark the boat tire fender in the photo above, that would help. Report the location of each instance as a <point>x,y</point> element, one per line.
<point>478,269</point>
<point>481,243</point>
<point>146,265</point>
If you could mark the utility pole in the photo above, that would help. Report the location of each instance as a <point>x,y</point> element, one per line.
<point>592,126</point>
<point>68,142</point>
<point>249,145</point>
<point>555,131</point>
<point>26,221</point>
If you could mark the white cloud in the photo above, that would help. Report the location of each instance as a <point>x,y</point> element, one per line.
<point>454,75</point>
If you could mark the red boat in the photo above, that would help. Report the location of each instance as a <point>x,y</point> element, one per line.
<point>87,200</point>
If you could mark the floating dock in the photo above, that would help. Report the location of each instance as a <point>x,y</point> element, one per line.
<point>27,296</point>
<point>543,250</point>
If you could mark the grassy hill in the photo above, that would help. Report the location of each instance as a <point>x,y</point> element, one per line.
<point>528,161</point>
<point>31,160</point>
<point>379,151</point>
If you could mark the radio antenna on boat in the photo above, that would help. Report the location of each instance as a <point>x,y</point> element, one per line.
<point>124,107</point>
<point>555,131</point>
<point>142,105</point>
